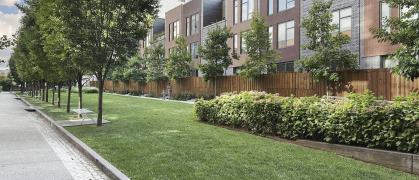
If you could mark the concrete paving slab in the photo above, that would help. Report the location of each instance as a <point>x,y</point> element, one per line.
<point>27,156</point>
<point>77,122</point>
<point>41,170</point>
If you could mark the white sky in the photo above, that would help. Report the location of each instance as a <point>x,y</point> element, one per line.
<point>9,23</point>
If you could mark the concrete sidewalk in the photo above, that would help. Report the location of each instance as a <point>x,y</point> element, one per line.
<point>31,150</point>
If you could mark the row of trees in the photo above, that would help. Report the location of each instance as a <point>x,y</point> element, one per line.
<point>60,41</point>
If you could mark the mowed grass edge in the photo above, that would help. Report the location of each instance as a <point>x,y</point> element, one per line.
<point>150,139</point>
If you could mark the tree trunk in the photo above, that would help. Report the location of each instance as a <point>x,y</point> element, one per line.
<point>157,93</point>
<point>43,90</point>
<point>53,94</point>
<point>46,93</point>
<point>100,100</point>
<point>215,86</point>
<point>59,96</point>
<point>68,96</point>
<point>80,87</point>
<point>113,86</point>
<point>180,84</point>
<point>22,87</point>
<point>138,87</point>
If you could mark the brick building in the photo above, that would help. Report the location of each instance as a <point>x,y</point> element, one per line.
<point>195,18</point>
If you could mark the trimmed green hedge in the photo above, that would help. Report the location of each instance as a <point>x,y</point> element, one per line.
<point>361,120</point>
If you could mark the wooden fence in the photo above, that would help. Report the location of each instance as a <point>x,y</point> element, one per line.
<point>380,81</point>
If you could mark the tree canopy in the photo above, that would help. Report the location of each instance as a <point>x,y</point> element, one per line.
<point>404,32</point>
<point>326,41</point>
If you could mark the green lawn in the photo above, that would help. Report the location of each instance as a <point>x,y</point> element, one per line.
<point>151,139</point>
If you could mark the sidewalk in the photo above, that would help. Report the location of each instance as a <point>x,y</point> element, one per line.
<point>29,149</point>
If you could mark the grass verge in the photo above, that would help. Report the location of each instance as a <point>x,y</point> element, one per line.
<point>150,139</point>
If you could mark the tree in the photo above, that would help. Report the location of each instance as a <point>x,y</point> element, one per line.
<point>108,31</point>
<point>5,42</point>
<point>326,44</point>
<point>216,54</point>
<point>155,60</point>
<point>180,63</point>
<point>260,56</point>
<point>404,33</point>
<point>137,70</point>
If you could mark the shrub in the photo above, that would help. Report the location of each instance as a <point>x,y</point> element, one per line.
<point>90,90</point>
<point>184,96</point>
<point>4,84</point>
<point>361,120</point>
<point>206,96</point>
<point>135,93</point>
<point>123,92</point>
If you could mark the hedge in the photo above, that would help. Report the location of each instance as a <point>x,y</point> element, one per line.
<point>361,120</point>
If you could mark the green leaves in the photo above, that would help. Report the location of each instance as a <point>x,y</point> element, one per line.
<point>260,56</point>
<point>361,120</point>
<point>180,63</point>
<point>326,44</point>
<point>404,33</point>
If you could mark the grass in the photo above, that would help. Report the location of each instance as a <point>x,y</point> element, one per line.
<point>151,139</point>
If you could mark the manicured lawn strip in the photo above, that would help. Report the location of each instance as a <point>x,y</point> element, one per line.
<point>151,139</point>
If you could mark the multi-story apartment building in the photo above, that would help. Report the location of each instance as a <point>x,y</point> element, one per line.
<point>157,30</point>
<point>355,18</point>
<point>188,20</point>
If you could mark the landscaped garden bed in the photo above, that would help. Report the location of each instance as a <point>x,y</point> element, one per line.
<point>361,120</point>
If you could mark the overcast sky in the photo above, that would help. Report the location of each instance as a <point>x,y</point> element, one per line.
<point>10,16</point>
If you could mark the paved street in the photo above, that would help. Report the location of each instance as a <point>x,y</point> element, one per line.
<point>30,149</point>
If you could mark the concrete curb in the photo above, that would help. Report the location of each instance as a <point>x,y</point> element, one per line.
<point>401,161</point>
<point>110,170</point>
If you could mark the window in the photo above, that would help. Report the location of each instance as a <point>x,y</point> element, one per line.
<point>270,7</point>
<point>236,70</point>
<point>343,18</point>
<point>170,32</point>
<point>194,73</point>
<point>235,43</point>
<point>170,50</point>
<point>187,26</point>
<point>243,44</point>
<point>405,10</point>
<point>236,18</point>
<point>387,63</point>
<point>176,29</point>
<point>247,9</point>
<point>285,67</point>
<point>271,39</point>
<point>286,34</point>
<point>384,14</point>
<point>195,23</point>
<point>194,50</point>
<point>147,41</point>
<point>285,4</point>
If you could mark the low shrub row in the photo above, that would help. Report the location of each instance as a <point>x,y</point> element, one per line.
<point>184,96</point>
<point>84,90</point>
<point>361,120</point>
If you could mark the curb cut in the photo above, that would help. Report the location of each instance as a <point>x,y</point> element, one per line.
<point>107,168</point>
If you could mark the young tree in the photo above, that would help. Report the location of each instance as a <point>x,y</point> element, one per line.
<point>216,54</point>
<point>108,31</point>
<point>155,60</point>
<point>180,63</point>
<point>137,70</point>
<point>326,44</point>
<point>260,56</point>
<point>404,34</point>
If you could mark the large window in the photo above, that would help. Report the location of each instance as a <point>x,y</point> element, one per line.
<point>286,34</point>
<point>247,9</point>
<point>270,7</point>
<point>387,63</point>
<point>235,43</point>
<point>236,10</point>
<point>194,50</point>
<point>285,4</point>
<point>188,26</point>
<point>147,41</point>
<point>343,18</point>
<point>195,23</point>
<point>176,29</point>
<point>384,14</point>
<point>271,38</point>
<point>170,32</point>
<point>285,67</point>
<point>242,43</point>
<point>405,10</point>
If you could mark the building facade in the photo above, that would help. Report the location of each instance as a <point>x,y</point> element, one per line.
<point>355,18</point>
